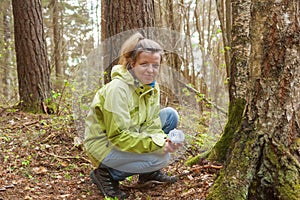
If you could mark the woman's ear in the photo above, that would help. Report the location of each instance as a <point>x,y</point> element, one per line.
<point>131,64</point>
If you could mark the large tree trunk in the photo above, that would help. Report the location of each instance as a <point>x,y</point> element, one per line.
<point>239,71</point>
<point>265,161</point>
<point>120,16</point>
<point>32,64</point>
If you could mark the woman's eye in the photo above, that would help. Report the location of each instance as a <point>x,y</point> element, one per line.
<point>155,66</point>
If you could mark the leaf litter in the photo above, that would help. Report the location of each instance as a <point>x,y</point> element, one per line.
<point>39,160</point>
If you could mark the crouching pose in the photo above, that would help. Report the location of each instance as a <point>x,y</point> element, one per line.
<point>126,130</point>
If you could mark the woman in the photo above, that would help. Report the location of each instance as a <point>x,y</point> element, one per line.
<point>125,128</point>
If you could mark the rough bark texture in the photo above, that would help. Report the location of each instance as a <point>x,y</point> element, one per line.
<point>239,75</point>
<point>120,16</point>
<point>32,64</point>
<point>265,161</point>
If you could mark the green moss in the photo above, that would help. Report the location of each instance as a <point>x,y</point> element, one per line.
<point>289,184</point>
<point>195,160</point>
<point>236,109</point>
<point>226,189</point>
<point>287,192</point>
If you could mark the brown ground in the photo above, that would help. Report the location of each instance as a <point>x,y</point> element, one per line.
<point>40,161</point>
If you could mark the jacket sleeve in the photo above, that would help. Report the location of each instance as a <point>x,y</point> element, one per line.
<point>117,120</point>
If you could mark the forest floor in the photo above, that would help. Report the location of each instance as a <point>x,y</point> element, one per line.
<point>39,160</point>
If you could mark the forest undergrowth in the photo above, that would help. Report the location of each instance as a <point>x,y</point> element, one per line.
<point>40,159</point>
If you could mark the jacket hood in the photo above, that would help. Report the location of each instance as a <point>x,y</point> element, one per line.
<point>121,73</point>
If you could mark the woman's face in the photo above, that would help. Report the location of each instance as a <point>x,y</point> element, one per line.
<point>146,67</point>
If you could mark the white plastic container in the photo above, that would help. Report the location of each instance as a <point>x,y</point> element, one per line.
<point>176,136</point>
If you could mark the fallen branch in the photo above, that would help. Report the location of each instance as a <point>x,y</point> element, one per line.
<point>207,166</point>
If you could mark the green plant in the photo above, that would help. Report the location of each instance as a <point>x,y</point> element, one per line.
<point>27,161</point>
<point>67,176</point>
<point>110,198</point>
<point>129,179</point>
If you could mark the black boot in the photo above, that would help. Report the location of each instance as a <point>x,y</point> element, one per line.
<point>157,176</point>
<point>106,184</point>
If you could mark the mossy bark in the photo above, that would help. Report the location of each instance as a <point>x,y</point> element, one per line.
<point>239,75</point>
<point>260,167</point>
<point>222,147</point>
<point>265,158</point>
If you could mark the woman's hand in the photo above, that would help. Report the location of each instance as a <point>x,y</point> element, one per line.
<point>171,147</point>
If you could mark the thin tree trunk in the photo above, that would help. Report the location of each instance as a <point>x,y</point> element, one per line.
<point>224,13</point>
<point>7,56</point>
<point>57,47</point>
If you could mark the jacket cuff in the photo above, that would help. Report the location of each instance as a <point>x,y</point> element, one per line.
<point>159,139</point>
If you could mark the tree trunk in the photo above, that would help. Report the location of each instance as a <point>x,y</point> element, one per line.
<point>239,72</point>
<point>32,64</point>
<point>59,74</point>
<point>265,161</point>
<point>120,16</point>
<point>7,78</point>
<point>225,18</point>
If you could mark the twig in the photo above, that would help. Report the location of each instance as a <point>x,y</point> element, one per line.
<point>25,125</point>
<point>66,157</point>
<point>203,98</point>
<point>207,166</point>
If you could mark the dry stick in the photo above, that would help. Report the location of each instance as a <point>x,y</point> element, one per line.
<point>25,125</point>
<point>203,98</point>
<point>66,157</point>
<point>207,166</point>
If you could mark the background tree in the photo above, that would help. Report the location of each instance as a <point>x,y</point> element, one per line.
<point>32,63</point>
<point>7,80</point>
<point>69,34</point>
<point>121,16</point>
<point>224,11</point>
<point>59,71</point>
<point>265,159</point>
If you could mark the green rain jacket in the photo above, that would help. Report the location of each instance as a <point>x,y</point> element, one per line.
<point>123,115</point>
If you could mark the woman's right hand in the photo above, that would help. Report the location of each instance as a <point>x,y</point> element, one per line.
<point>171,147</point>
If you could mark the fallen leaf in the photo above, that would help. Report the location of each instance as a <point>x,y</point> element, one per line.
<point>190,177</point>
<point>39,170</point>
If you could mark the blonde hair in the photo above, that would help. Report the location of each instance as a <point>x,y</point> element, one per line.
<point>134,46</point>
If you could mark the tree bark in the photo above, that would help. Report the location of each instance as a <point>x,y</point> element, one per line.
<point>32,64</point>
<point>265,161</point>
<point>239,72</point>
<point>59,74</point>
<point>120,16</point>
